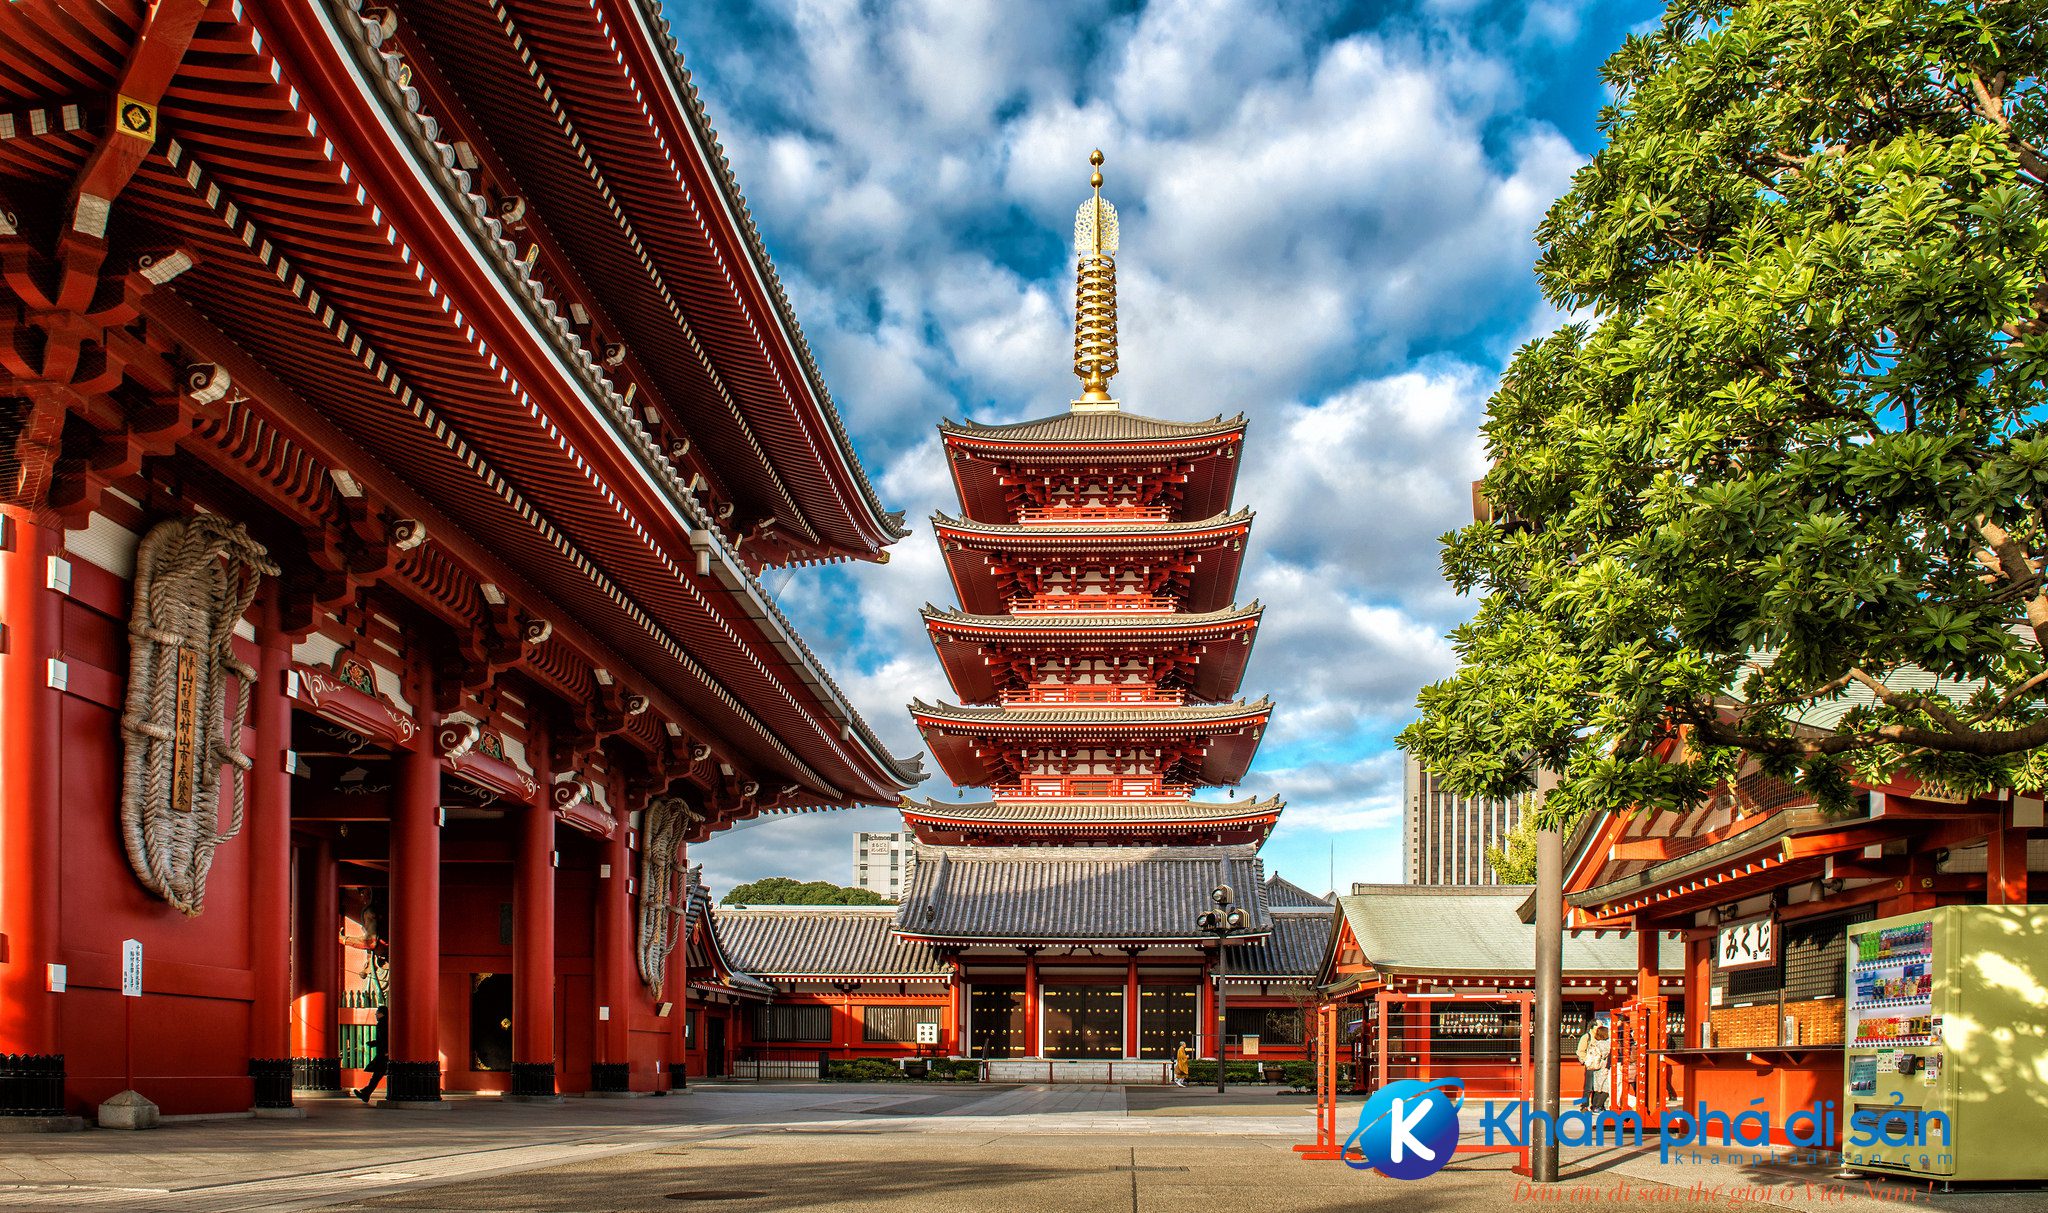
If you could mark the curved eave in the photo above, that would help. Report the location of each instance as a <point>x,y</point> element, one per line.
<point>963,642</point>
<point>1008,536</point>
<point>652,69</point>
<point>969,743</point>
<point>318,192</point>
<point>978,456</point>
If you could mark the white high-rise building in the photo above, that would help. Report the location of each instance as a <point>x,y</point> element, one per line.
<point>1447,834</point>
<point>882,862</point>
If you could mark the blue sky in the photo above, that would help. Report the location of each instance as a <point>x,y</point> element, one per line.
<point>1326,214</point>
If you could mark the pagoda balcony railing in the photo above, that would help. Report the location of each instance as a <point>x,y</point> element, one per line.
<point>1084,789</point>
<point>1057,515</point>
<point>1096,604</point>
<point>1067,696</point>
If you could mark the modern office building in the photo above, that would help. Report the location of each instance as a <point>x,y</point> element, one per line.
<point>882,862</point>
<point>1446,836</point>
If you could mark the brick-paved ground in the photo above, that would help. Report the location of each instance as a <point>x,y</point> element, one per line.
<point>834,1147</point>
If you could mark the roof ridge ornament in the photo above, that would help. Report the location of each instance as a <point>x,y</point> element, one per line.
<point>1095,240</point>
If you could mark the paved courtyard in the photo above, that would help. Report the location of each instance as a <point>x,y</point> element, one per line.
<point>850,1148</point>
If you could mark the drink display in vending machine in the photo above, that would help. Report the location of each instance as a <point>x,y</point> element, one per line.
<point>1945,1044</point>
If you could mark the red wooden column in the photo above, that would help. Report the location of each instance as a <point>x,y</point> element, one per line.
<point>2005,862</point>
<point>1699,974</point>
<point>1031,1008</point>
<point>318,955</point>
<point>675,986</point>
<point>31,755</point>
<point>1206,1037</point>
<point>614,961</point>
<point>1650,1000</point>
<point>415,928</point>
<point>533,951</point>
<point>270,861</point>
<point>1131,1008</point>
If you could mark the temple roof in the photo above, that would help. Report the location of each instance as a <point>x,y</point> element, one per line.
<point>1162,716</point>
<point>1096,811</point>
<point>1109,623</point>
<point>784,942</point>
<point>1119,531</point>
<point>1076,893</point>
<point>1472,929</point>
<point>1294,949</point>
<point>1114,425</point>
<point>1162,821</point>
<point>1227,733</point>
<point>1285,893</point>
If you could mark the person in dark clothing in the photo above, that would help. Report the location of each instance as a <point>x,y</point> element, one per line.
<point>378,1062</point>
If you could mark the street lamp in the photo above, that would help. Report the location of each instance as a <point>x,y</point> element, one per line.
<point>1222,922</point>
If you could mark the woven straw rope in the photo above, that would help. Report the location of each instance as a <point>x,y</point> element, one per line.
<point>661,838</point>
<point>194,579</point>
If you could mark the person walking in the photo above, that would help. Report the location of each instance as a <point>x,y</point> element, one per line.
<point>1599,1064</point>
<point>1585,1071</point>
<point>379,1062</point>
<point>1180,1065</point>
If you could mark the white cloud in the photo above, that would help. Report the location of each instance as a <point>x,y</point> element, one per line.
<point>1330,235</point>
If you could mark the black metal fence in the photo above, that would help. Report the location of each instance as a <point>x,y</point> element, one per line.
<point>31,1084</point>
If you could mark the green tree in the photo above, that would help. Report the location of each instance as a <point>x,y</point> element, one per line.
<point>1514,861</point>
<point>1789,459</point>
<point>784,891</point>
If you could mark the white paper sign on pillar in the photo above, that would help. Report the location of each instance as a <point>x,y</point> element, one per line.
<point>131,968</point>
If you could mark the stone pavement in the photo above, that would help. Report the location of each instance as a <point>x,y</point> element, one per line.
<point>847,1147</point>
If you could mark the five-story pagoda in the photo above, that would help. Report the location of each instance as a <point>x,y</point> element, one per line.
<point>1096,658</point>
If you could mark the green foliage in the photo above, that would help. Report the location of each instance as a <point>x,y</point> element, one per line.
<point>783,891</point>
<point>1515,863</point>
<point>876,1069</point>
<point>1789,457</point>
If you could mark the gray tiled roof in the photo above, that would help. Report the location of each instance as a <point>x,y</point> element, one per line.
<point>1094,530</point>
<point>1281,892</point>
<point>1295,949</point>
<point>1108,621</point>
<point>1096,811</point>
<point>821,941</point>
<point>1112,425</point>
<point>1155,713</point>
<point>1472,928</point>
<point>1076,892</point>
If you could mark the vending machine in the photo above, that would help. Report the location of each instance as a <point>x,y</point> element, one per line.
<point>1945,1070</point>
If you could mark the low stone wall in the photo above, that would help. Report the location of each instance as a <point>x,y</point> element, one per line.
<point>1113,1073</point>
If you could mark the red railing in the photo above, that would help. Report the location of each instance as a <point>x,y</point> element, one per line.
<point>1096,604</point>
<point>1055,696</point>
<point>1058,515</point>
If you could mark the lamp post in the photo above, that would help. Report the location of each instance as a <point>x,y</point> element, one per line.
<point>1223,921</point>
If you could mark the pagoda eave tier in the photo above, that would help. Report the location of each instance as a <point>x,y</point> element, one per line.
<point>985,655</point>
<point>990,746</point>
<point>996,567</point>
<point>984,456</point>
<point>1137,822</point>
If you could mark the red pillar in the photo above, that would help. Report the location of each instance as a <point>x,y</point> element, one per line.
<point>2005,863</point>
<point>1205,1032</point>
<point>614,961</point>
<point>1650,1000</point>
<point>675,989</point>
<point>270,842</point>
<point>1031,1006</point>
<point>1699,974</point>
<point>318,956</point>
<point>1131,1008</point>
<point>533,951</point>
<point>415,928</point>
<point>31,754</point>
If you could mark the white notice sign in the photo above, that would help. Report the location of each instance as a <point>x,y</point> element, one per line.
<point>927,1033</point>
<point>131,968</point>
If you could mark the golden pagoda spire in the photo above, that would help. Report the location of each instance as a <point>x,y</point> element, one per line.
<point>1095,297</point>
